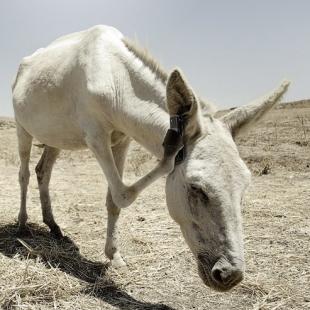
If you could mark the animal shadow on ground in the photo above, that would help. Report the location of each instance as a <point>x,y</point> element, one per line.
<point>65,255</point>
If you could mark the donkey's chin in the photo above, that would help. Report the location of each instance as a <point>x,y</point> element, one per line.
<point>207,279</point>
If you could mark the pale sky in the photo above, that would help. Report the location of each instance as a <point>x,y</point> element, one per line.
<point>230,51</point>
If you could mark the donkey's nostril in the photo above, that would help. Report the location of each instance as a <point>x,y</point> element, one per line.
<point>216,274</point>
<point>222,275</point>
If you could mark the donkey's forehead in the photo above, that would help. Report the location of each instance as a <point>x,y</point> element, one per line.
<point>216,144</point>
<point>215,156</point>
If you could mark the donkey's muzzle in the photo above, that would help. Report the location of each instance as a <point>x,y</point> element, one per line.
<point>226,275</point>
<point>223,276</point>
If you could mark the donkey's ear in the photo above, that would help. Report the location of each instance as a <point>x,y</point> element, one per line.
<point>181,100</point>
<point>240,119</point>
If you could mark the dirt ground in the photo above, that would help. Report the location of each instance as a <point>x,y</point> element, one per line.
<point>38,272</point>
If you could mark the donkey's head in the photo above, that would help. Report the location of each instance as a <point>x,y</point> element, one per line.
<point>204,193</point>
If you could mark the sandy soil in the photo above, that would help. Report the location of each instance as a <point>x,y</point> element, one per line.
<point>41,273</point>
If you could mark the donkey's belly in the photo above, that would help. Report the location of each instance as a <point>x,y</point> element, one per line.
<point>61,139</point>
<point>60,130</point>
<point>58,135</point>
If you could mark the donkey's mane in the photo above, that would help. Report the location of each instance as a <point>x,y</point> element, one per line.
<point>145,56</point>
<point>148,60</point>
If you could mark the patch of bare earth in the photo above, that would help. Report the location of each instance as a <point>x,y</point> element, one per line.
<point>38,272</point>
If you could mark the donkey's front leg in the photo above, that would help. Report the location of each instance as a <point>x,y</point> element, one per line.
<point>111,160</point>
<point>111,247</point>
<point>122,194</point>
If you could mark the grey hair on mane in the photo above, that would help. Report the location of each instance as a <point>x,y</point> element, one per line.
<point>144,55</point>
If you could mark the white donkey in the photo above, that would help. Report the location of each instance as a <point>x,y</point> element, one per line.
<point>95,89</point>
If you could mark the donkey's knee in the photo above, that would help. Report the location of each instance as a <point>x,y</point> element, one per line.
<point>24,175</point>
<point>124,196</point>
<point>113,209</point>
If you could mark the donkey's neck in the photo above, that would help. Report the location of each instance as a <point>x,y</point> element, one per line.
<point>148,126</point>
<point>144,116</point>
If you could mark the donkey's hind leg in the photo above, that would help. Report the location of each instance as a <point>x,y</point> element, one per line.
<point>44,171</point>
<point>111,248</point>
<point>24,148</point>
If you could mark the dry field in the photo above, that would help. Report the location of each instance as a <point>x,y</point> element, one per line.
<point>38,272</point>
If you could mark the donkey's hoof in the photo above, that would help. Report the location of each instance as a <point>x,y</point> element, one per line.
<point>23,231</point>
<point>117,261</point>
<point>56,233</point>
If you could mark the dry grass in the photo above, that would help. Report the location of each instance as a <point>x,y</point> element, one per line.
<point>38,272</point>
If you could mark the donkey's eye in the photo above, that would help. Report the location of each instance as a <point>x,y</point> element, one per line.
<point>198,191</point>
